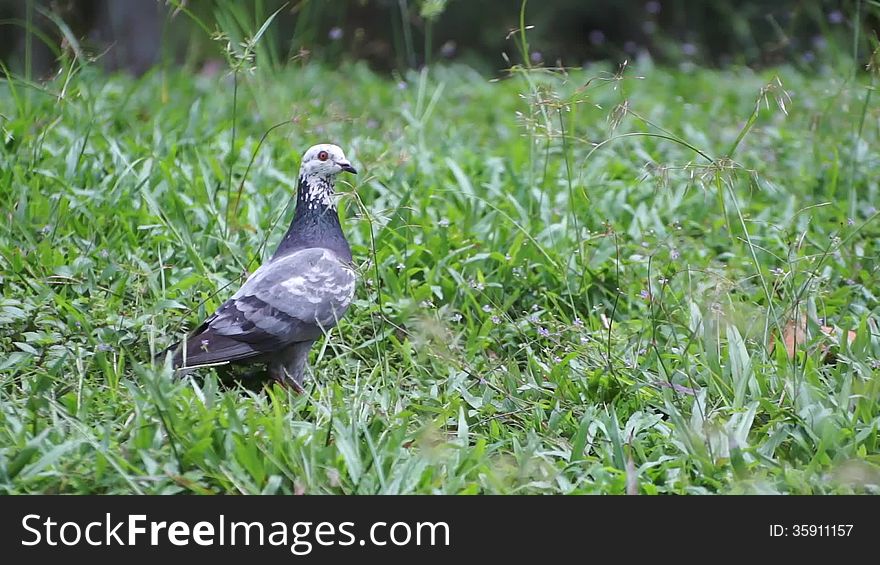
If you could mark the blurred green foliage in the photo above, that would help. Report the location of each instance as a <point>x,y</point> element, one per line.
<point>398,34</point>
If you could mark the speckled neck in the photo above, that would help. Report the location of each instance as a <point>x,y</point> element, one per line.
<point>315,221</point>
<point>315,191</point>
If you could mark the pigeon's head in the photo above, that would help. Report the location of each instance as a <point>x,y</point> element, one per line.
<point>325,160</point>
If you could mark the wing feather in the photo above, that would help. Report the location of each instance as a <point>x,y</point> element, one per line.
<point>292,298</point>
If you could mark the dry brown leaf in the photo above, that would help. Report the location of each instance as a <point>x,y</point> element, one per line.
<point>677,387</point>
<point>632,476</point>
<point>796,334</point>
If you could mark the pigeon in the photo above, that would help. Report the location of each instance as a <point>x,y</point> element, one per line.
<point>294,298</point>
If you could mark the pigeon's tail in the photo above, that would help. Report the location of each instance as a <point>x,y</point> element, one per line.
<point>205,348</point>
<point>174,348</point>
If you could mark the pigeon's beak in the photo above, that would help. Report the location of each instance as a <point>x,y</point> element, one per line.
<point>346,166</point>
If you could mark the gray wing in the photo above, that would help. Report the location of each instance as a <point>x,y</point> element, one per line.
<point>292,298</point>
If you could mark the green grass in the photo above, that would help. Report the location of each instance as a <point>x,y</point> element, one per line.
<point>540,260</point>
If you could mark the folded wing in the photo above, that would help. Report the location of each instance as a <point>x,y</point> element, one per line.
<point>292,298</point>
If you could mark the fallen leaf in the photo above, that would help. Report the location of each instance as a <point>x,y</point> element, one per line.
<point>632,477</point>
<point>795,335</point>
<point>676,387</point>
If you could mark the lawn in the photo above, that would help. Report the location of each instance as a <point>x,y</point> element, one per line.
<point>598,281</point>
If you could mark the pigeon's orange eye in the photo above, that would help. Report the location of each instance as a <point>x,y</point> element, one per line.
<point>322,156</point>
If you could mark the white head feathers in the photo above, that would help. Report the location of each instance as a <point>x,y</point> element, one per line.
<point>320,165</point>
<point>325,160</point>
